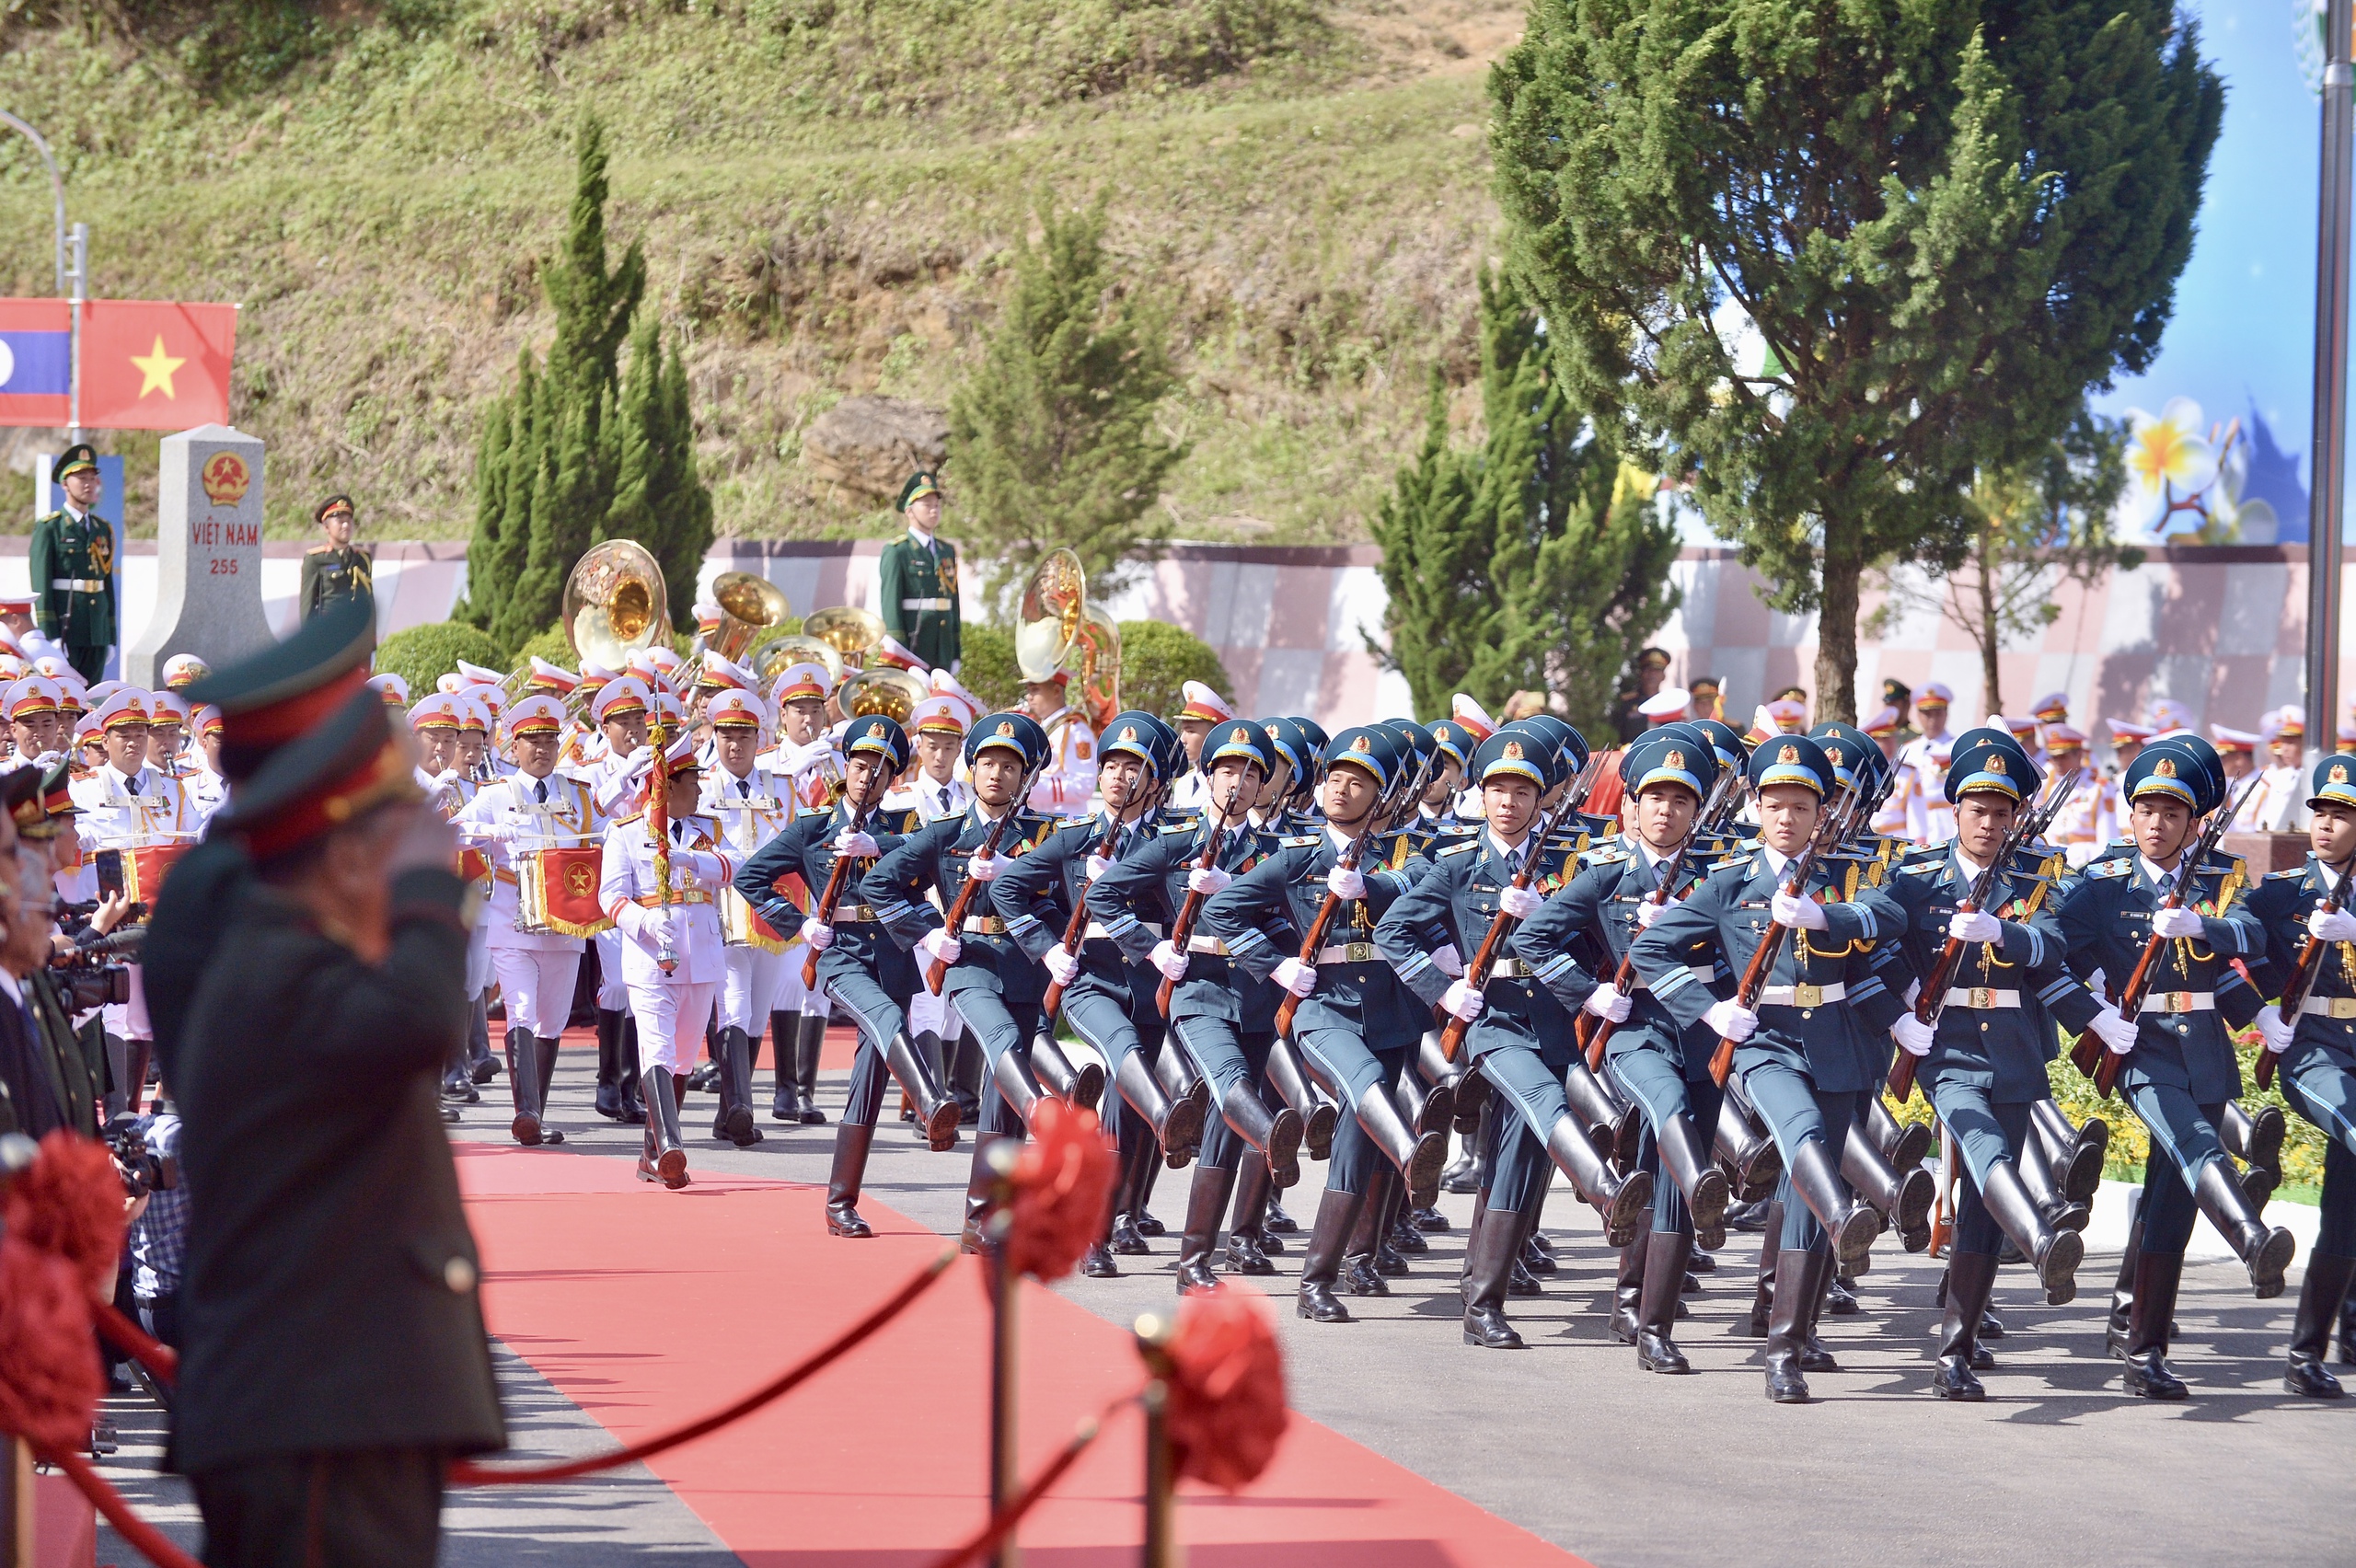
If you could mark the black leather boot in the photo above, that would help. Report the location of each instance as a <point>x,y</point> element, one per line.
<point>2147,1374</point>
<point>1206,1205</point>
<point>2055,1253</point>
<point>1406,1236</point>
<point>1417,1156</point>
<point>937,1114</point>
<point>2265,1252</point>
<point>2122,1293</point>
<point>1665,1254</point>
<point>1080,1088</point>
<point>1248,1244</point>
<point>1488,1259</point>
<point>1473,1098</point>
<point>1623,1201</point>
<point>1360,1274</point>
<point>1318,1116</point>
<point>734,1120</point>
<point>1904,1201</point>
<point>1016,1086</point>
<point>851,1143</point>
<point>663,1115</point>
<point>2060,1211</point>
<point>609,1065</point>
<point>1628,1287</point>
<point>633,1097</point>
<point>1596,1106</point>
<point>1971,1278</point>
<point>524,1081</point>
<point>1177,1123</point>
<point>1687,1163</point>
<point>1137,1164</point>
<point>1903,1143</point>
<point>785,1034</point>
<point>1742,1138</point>
<point>1275,1134</point>
<point>1320,1260</point>
<point>1815,1355</point>
<point>1771,1242</point>
<point>1798,1277</point>
<point>1852,1223</point>
<point>2074,1154</point>
<point>2319,1297</point>
<point>806,1050</point>
<point>981,1191</point>
<point>2255,1137</point>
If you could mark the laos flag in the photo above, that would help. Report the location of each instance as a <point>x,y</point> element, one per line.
<point>36,361</point>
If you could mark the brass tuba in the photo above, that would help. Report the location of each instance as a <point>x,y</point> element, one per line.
<point>748,606</point>
<point>614,604</point>
<point>796,649</point>
<point>891,692</point>
<point>847,629</point>
<point>1059,628</point>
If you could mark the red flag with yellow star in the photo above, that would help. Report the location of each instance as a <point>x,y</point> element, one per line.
<point>151,364</point>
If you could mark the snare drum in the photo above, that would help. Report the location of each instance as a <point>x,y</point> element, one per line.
<point>556,891</point>
<point>741,926</point>
<point>144,871</point>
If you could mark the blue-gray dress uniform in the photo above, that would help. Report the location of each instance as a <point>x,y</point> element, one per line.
<point>2316,1072</point>
<point>860,967</point>
<point>1355,1004</point>
<point>2181,1070</point>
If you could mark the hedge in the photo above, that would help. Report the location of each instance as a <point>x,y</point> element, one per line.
<point>423,654</point>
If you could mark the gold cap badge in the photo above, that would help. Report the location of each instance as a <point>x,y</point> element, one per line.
<point>1995,764</point>
<point>1128,734</point>
<point>2165,767</point>
<point>1674,759</point>
<point>1789,754</point>
<point>1513,751</point>
<point>1005,727</point>
<point>2339,773</point>
<point>1362,744</point>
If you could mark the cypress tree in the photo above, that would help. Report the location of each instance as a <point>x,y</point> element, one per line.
<point>1435,566</point>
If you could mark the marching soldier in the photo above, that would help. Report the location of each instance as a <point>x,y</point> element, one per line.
<point>764,980</point>
<point>931,790</point>
<point>916,579</point>
<point>2180,1071</point>
<point>336,569</point>
<point>72,566</point>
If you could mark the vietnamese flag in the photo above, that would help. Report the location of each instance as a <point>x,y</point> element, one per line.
<point>36,361</point>
<point>151,364</point>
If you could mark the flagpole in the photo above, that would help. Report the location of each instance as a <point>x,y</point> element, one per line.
<point>80,276</point>
<point>2329,466</point>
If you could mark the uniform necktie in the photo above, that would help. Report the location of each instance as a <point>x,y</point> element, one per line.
<point>944,797</point>
<point>743,788</point>
<point>132,784</point>
<point>540,791</point>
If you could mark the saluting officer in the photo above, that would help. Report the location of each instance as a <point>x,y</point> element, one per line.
<point>338,568</point>
<point>916,579</point>
<point>72,566</point>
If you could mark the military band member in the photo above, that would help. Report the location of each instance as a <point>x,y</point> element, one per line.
<point>805,751</point>
<point>510,821</point>
<point>672,961</point>
<point>34,719</point>
<point>916,579</point>
<point>2275,805</point>
<point>2180,1071</point>
<point>207,786</point>
<point>1923,768</point>
<point>2317,1050</point>
<point>127,806</point>
<point>1068,781</point>
<point>764,982</point>
<point>860,965</point>
<point>619,711</point>
<point>72,567</point>
<point>1203,710</point>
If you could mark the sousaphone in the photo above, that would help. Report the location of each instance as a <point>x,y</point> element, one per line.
<point>750,605</point>
<point>847,629</point>
<point>614,604</point>
<point>892,692</point>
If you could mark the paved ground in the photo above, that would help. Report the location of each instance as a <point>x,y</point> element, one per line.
<point>1571,1441</point>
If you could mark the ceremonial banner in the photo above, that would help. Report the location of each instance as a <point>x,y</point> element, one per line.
<point>557,891</point>
<point>36,361</point>
<point>151,364</point>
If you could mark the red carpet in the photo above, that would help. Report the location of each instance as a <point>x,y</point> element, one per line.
<point>842,1044</point>
<point>648,1307</point>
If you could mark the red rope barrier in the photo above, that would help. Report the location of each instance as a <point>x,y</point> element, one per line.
<point>1002,1524</point>
<point>137,1342</point>
<point>465,1472</point>
<point>149,1541</point>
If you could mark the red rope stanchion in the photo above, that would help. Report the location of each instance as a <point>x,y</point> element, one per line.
<point>465,1472</point>
<point>137,1342</point>
<point>149,1541</point>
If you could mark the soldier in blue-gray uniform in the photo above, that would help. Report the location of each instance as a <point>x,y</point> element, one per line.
<point>859,965</point>
<point>1618,890</point>
<point>995,984</point>
<point>1810,1046</point>
<point>2318,1049</point>
<point>2180,1069</point>
<point>1983,1060</point>
<point>1220,1017</point>
<point>1347,991</point>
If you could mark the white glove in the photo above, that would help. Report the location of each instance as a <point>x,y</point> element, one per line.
<point>1974,925</point>
<point>982,867</point>
<point>2276,1032</point>
<point>1647,912</point>
<point>800,758</point>
<point>1207,880</point>
<point>1169,961</point>
<point>1448,961</point>
<point>857,845</point>
<point>1520,902</point>
<point>2337,926</point>
<point>817,933</point>
<point>1801,913</point>
<point>2114,1030</point>
<point>1460,1000</point>
<point>1344,882</point>
<point>1730,1020</point>
<point>1097,866</point>
<point>1609,1003</point>
<point>638,761</point>
<point>1296,977</point>
<point>1914,1036</point>
<point>492,832</point>
<point>2182,921</point>
<point>1061,965</point>
<point>939,946</point>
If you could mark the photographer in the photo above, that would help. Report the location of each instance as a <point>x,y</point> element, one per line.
<point>159,1233</point>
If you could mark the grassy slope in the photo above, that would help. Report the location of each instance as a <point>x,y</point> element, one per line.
<point>826,212</point>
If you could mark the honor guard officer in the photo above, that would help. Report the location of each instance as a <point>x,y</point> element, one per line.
<point>72,566</point>
<point>512,822</point>
<point>658,883</point>
<point>1813,1041</point>
<point>1617,891</point>
<point>916,579</point>
<point>1348,993</point>
<point>764,982</point>
<point>996,986</point>
<point>2180,1069</point>
<point>2317,1048</point>
<point>859,965</point>
<point>336,568</point>
<point>1983,1057</point>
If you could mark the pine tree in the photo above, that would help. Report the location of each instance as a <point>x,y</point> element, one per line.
<point>1052,442</point>
<point>658,499</point>
<point>1436,548</point>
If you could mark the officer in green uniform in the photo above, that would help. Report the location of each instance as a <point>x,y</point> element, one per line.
<point>920,578</point>
<point>73,568</point>
<point>338,568</point>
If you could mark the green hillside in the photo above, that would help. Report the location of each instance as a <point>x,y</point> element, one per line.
<point>827,189</point>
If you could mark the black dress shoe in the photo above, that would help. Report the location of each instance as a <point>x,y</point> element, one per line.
<point>1126,1241</point>
<point>1319,1305</point>
<point>1360,1277</point>
<point>1521,1282</point>
<point>450,1115</point>
<point>608,1102</point>
<point>704,1076</point>
<point>1276,1222</point>
<point>2148,1377</point>
<point>1537,1260</point>
<point>1097,1264</point>
<point>1485,1329</point>
<point>1390,1262</point>
<point>1702,1263</point>
<point>1952,1379</point>
<point>1430,1220</point>
<point>487,1069</point>
<point>1195,1275</point>
<point>1146,1225</point>
<point>1840,1300</point>
<point>1406,1239</point>
<point>1244,1255</point>
<point>1659,1353</point>
<point>842,1220</point>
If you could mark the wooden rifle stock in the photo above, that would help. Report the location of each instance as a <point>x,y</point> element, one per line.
<point>936,972</point>
<point>1190,911</point>
<point>2302,980</point>
<point>1771,942</point>
<point>828,900</point>
<point>1077,925</point>
<point>1384,809</point>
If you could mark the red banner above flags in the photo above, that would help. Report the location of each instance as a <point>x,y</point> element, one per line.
<point>151,364</point>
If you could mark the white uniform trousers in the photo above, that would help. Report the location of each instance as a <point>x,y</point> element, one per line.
<point>537,985</point>
<point>671,1016</point>
<point>612,993</point>
<point>478,975</point>
<point>756,979</point>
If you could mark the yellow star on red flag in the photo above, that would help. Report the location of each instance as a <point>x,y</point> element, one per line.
<point>156,369</point>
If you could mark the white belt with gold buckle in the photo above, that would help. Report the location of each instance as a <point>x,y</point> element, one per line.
<point>1802,995</point>
<point>925,604</point>
<point>1207,944</point>
<point>2180,1002</point>
<point>1982,997</point>
<point>2329,1006</point>
<point>1349,952</point>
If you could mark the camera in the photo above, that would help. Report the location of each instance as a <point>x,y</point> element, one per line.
<point>140,1170</point>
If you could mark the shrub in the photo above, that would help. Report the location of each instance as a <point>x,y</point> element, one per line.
<point>1158,659</point>
<point>423,654</point>
<point>987,665</point>
<point>551,645</point>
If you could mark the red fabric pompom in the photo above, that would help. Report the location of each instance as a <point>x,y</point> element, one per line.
<point>1063,1187</point>
<point>69,1203</point>
<point>49,1380</point>
<point>1226,1382</point>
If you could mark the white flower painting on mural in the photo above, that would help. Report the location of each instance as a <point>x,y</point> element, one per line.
<point>2175,464</point>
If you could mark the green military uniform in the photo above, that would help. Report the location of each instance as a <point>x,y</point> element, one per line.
<point>919,588</point>
<point>330,574</point>
<point>72,568</point>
